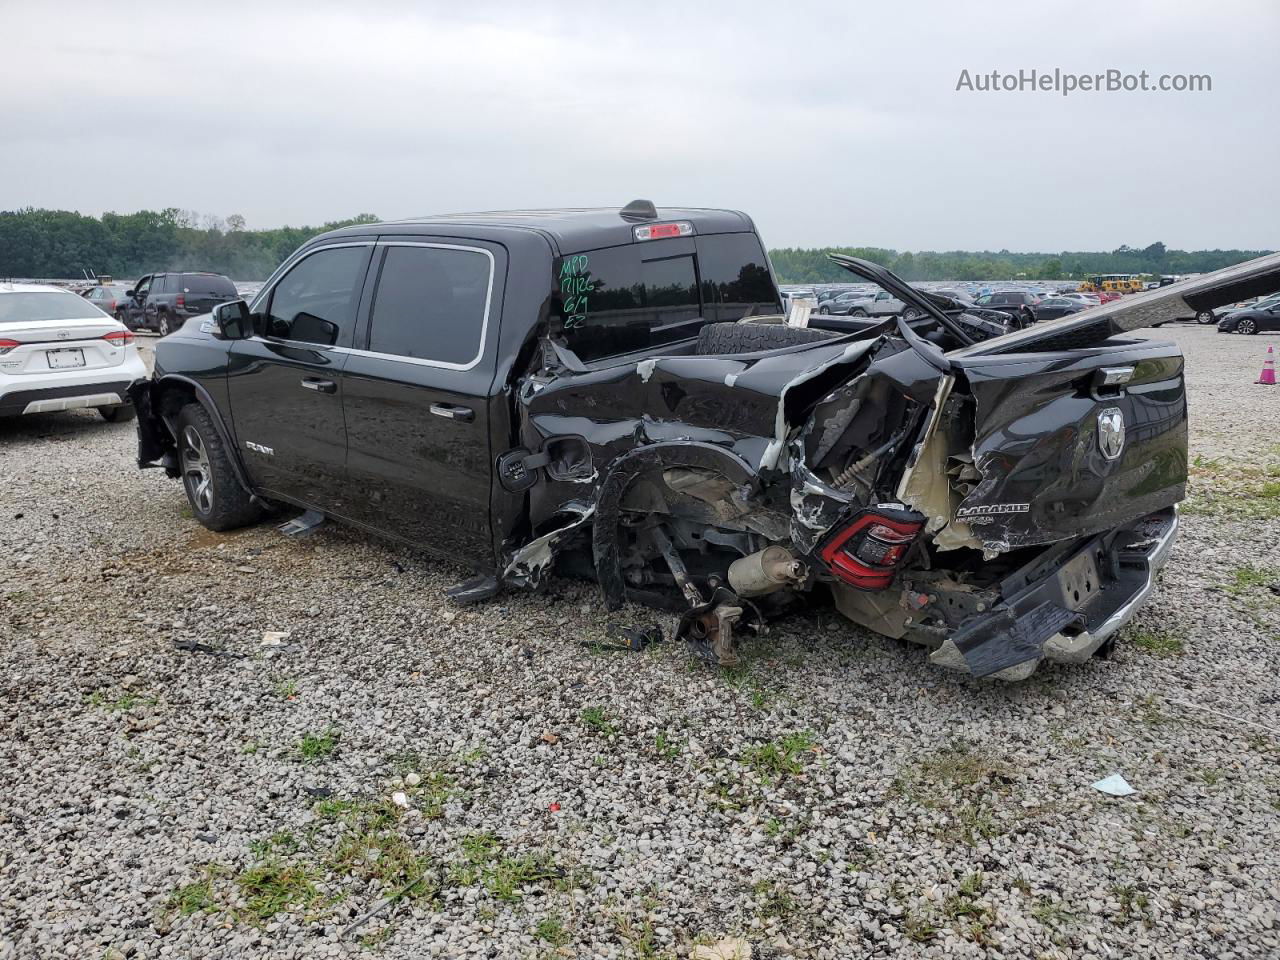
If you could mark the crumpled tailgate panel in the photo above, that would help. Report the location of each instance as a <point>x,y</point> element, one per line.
<point>1044,474</point>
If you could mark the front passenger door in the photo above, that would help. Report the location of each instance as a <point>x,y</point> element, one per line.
<point>285,381</point>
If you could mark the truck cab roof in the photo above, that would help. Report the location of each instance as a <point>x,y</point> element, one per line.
<point>568,230</point>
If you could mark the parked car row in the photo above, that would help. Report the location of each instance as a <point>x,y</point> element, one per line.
<point>162,302</point>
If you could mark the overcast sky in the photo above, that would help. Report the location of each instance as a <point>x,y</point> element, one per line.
<point>830,123</point>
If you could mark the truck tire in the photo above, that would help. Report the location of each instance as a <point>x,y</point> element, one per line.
<point>163,326</point>
<point>217,499</point>
<point>721,338</point>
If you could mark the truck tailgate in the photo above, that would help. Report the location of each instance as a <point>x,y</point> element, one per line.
<point>1061,453</point>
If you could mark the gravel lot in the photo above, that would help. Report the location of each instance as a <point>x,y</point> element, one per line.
<point>177,785</point>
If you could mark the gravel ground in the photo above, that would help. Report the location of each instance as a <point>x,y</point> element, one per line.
<point>182,781</point>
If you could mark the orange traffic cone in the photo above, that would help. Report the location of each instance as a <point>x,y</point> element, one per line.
<point>1268,374</point>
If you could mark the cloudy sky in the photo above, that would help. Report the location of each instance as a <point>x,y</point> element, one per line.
<point>834,123</point>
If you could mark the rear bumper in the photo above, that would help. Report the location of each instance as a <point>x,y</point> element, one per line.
<point>1070,611</point>
<point>105,393</point>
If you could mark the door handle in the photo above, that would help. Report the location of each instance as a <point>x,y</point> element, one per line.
<point>453,412</point>
<point>321,386</point>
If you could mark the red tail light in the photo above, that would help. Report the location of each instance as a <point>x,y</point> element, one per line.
<point>181,300</point>
<point>7,345</point>
<point>118,338</point>
<point>867,551</point>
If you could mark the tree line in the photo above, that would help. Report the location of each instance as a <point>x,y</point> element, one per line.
<point>795,265</point>
<point>62,243</point>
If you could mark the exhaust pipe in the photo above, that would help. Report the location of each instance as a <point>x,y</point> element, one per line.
<point>765,571</point>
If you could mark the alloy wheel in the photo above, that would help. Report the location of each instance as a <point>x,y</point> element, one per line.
<point>196,471</point>
<point>1246,326</point>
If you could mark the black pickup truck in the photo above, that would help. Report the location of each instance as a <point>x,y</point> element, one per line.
<point>611,393</point>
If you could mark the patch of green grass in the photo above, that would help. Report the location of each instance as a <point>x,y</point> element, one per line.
<point>666,747</point>
<point>508,876</point>
<point>784,757</point>
<point>1133,902</point>
<point>637,937</point>
<point>272,886</point>
<point>1244,579</point>
<point>958,779</point>
<point>287,689</point>
<point>1149,712</point>
<point>1270,490</point>
<point>773,900</point>
<point>378,938</point>
<point>283,843</point>
<point>550,929</point>
<point>1161,643</point>
<point>1211,777</point>
<point>122,704</point>
<point>598,720</point>
<point>1051,913</point>
<point>194,897</point>
<point>317,746</point>
<point>936,779</point>
<point>334,807</point>
<point>743,679</point>
<point>480,847</point>
<point>919,929</point>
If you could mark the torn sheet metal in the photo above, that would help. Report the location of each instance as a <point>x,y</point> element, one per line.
<point>529,564</point>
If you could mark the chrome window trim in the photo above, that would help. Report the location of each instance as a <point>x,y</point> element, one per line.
<point>421,361</point>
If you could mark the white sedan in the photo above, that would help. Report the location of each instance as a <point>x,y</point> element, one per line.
<point>60,352</point>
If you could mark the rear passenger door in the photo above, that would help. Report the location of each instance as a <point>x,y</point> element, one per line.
<point>416,393</point>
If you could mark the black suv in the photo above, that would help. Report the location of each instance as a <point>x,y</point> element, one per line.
<point>1012,301</point>
<point>165,301</point>
<point>612,394</point>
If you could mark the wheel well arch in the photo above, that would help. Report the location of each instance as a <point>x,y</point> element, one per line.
<point>619,476</point>
<point>172,392</point>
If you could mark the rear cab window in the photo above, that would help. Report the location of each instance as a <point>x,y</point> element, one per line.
<point>210,284</point>
<point>648,295</point>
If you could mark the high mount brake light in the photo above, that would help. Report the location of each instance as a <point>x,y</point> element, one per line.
<point>660,231</point>
<point>866,552</point>
<point>118,338</point>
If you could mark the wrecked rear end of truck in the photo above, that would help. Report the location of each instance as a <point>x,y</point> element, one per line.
<point>1000,498</point>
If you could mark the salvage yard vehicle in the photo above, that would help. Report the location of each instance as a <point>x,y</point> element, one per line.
<point>1263,315</point>
<point>165,301</point>
<point>60,352</point>
<point>612,394</point>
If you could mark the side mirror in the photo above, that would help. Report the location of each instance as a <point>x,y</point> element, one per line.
<point>128,293</point>
<point>231,320</point>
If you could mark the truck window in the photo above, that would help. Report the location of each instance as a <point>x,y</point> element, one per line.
<point>315,302</point>
<point>431,303</point>
<point>736,282</point>
<point>208,284</point>
<point>626,299</point>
